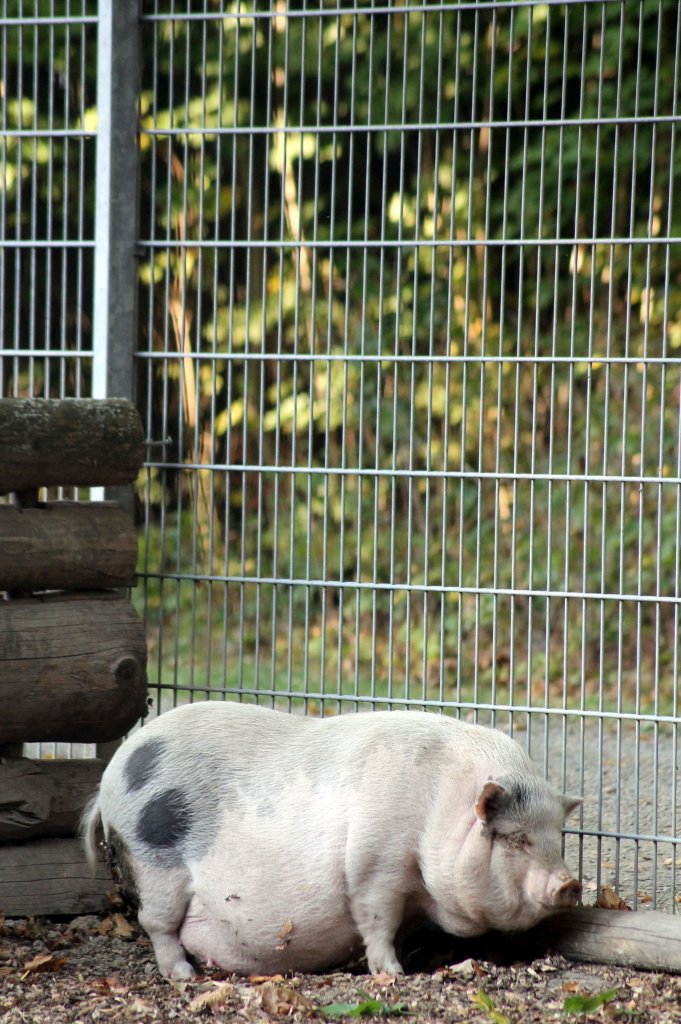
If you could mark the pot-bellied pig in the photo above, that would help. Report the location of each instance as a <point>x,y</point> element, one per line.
<point>262,841</point>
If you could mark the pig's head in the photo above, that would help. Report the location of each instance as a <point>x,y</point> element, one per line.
<point>519,823</point>
<point>501,865</point>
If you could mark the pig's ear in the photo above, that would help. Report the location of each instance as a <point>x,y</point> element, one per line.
<point>570,803</point>
<point>492,802</point>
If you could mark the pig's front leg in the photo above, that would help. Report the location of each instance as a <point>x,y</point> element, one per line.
<point>377,911</point>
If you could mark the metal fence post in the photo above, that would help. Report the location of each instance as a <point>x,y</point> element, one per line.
<point>115,298</point>
<point>114,331</point>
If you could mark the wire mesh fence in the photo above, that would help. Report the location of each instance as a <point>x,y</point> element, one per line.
<point>47,194</point>
<point>47,149</point>
<point>409,358</point>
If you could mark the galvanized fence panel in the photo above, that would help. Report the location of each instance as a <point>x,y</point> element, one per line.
<point>48,92</point>
<point>411,364</point>
<point>47,160</point>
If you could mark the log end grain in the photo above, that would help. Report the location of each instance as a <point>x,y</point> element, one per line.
<point>72,668</point>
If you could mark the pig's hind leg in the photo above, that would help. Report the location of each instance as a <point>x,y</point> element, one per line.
<point>164,896</point>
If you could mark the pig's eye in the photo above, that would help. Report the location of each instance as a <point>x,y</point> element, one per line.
<point>517,841</point>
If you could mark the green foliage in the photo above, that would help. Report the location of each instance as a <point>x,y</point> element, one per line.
<point>589,1004</point>
<point>484,1001</point>
<point>427,450</point>
<point>368,1007</point>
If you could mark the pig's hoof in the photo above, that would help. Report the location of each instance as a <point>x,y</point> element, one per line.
<point>386,965</point>
<point>181,971</point>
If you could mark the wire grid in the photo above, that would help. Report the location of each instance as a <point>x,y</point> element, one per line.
<point>47,156</point>
<point>47,147</point>
<point>411,367</point>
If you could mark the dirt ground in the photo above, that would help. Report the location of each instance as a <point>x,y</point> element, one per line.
<point>102,969</point>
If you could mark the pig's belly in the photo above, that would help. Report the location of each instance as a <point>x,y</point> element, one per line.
<point>270,904</point>
<point>262,945</point>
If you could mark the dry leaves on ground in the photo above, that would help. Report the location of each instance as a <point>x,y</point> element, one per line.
<point>95,969</point>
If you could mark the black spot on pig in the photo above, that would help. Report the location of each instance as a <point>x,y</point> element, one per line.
<point>143,764</point>
<point>165,820</point>
<point>118,862</point>
<point>519,797</point>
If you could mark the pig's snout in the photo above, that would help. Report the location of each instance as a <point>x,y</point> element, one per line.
<point>568,894</point>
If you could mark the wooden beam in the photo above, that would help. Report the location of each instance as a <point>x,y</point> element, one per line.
<point>70,442</point>
<point>648,939</point>
<point>72,668</point>
<point>44,799</point>
<point>66,545</point>
<point>51,876</point>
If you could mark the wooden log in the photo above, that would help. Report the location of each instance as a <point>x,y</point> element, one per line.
<point>72,668</point>
<point>51,876</point>
<point>648,939</point>
<point>70,442</point>
<point>44,799</point>
<point>66,545</point>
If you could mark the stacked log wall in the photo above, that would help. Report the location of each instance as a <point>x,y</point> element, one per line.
<point>72,648</point>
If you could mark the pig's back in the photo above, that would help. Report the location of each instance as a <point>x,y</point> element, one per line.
<point>181,782</point>
<point>219,755</point>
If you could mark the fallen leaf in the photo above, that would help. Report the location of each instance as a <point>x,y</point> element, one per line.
<point>282,999</point>
<point>121,927</point>
<point>383,979</point>
<point>43,963</point>
<point>589,1004</point>
<point>466,969</point>
<point>217,996</point>
<point>285,933</point>
<point>141,1006</point>
<point>485,1003</point>
<point>367,1008</point>
<point>117,925</point>
<point>38,961</point>
<point>111,984</point>
<point>609,900</point>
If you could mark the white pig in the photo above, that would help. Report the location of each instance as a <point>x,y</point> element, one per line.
<point>265,842</point>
